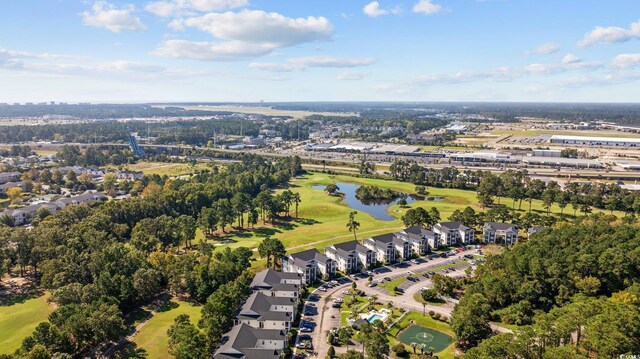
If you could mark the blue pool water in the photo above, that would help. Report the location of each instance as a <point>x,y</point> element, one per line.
<point>373,318</point>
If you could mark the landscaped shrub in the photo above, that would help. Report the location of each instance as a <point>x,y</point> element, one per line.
<point>399,349</point>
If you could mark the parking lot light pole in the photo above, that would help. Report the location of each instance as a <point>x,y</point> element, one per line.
<point>424,306</point>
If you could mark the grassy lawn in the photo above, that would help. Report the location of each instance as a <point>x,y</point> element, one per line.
<point>153,336</point>
<point>508,326</point>
<point>169,169</point>
<point>425,321</point>
<point>17,321</point>
<point>418,298</point>
<point>392,284</point>
<point>322,218</point>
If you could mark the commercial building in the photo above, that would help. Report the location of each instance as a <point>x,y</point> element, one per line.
<point>596,141</point>
<point>547,153</point>
<point>490,157</point>
<point>561,162</point>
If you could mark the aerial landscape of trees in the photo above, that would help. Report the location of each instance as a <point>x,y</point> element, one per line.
<point>101,263</point>
<point>572,290</point>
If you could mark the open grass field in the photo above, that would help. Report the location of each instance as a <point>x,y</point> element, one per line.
<point>425,321</point>
<point>322,218</point>
<point>169,169</point>
<point>17,321</point>
<point>153,336</point>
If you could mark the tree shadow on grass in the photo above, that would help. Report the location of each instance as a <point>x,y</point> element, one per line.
<point>307,221</point>
<point>17,298</point>
<point>266,232</point>
<point>137,316</point>
<point>168,306</point>
<point>131,351</point>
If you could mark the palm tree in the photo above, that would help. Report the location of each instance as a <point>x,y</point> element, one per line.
<point>422,346</point>
<point>297,200</point>
<point>414,345</point>
<point>431,350</point>
<point>353,225</point>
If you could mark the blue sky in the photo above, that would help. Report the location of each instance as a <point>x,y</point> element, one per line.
<point>320,50</point>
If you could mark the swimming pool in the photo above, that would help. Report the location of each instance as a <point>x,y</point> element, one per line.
<point>374,317</point>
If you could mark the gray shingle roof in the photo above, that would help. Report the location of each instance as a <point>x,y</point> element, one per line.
<point>499,226</point>
<point>452,225</point>
<point>272,279</point>
<point>258,306</point>
<point>243,341</point>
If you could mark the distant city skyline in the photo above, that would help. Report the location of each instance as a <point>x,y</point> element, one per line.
<point>322,50</point>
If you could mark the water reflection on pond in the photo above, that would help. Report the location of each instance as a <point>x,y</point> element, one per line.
<point>377,209</point>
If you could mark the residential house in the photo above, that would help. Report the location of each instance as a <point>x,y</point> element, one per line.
<point>451,233</point>
<point>89,197</point>
<point>422,240</point>
<point>502,233</point>
<point>277,284</point>
<point>5,186</point>
<point>9,177</point>
<point>267,312</point>
<point>246,342</point>
<point>311,264</point>
<point>22,216</point>
<point>389,248</point>
<point>351,256</point>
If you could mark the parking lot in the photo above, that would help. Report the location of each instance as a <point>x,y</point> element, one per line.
<point>320,314</point>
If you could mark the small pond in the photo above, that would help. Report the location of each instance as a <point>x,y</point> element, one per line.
<point>423,335</point>
<point>377,209</point>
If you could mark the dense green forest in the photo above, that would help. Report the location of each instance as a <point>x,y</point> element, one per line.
<point>573,291</point>
<point>101,263</point>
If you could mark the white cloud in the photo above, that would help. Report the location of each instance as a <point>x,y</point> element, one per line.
<point>256,26</point>
<point>625,61</point>
<point>107,16</point>
<point>212,51</point>
<point>569,63</point>
<point>167,8</point>
<point>426,7</point>
<point>303,63</point>
<point>611,34</point>
<point>547,48</point>
<point>351,76</point>
<point>245,34</point>
<point>570,59</point>
<point>373,9</point>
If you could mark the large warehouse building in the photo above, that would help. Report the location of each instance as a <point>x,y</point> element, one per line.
<point>596,141</point>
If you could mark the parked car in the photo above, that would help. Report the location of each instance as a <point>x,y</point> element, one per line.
<point>306,329</point>
<point>372,284</point>
<point>300,356</point>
